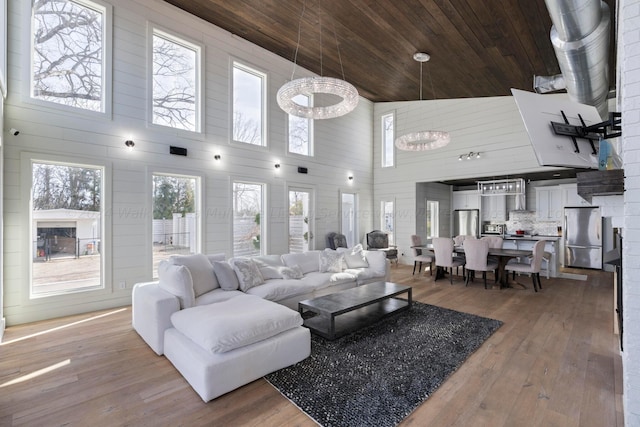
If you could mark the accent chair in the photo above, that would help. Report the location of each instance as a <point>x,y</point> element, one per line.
<point>379,241</point>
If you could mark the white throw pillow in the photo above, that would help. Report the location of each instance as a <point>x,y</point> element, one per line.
<point>354,258</point>
<point>308,261</point>
<point>377,262</point>
<point>176,279</point>
<point>204,280</point>
<point>330,261</point>
<point>226,276</point>
<point>248,273</point>
<point>294,272</point>
<point>269,266</point>
<point>235,323</point>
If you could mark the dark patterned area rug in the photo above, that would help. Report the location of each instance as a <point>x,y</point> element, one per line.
<point>380,374</point>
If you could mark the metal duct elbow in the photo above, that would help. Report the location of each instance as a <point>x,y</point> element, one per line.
<point>580,38</point>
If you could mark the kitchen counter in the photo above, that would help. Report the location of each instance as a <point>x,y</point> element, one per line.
<point>528,237</point>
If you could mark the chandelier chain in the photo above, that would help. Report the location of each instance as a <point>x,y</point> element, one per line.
<point>295,55</point>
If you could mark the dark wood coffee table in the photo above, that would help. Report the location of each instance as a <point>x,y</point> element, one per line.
<point>337,314</point>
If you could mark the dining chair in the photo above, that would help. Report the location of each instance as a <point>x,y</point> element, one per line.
<point>476,255</point>
<point>532,268</point>
<point>443,249</point>
<point>419,256</point>
<point>495,242</point>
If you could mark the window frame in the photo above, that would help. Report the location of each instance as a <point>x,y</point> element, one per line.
<point>356,231</point>
<point>106,110</point>
<point>383,212</point>
<point>186,42</point>
<point>87,295</point>
<point>198,207</point>
<point>263,229</point>
<point>310,132</point>
<point>250,69</point>
<point>435,219</point>
<point>384,161</point>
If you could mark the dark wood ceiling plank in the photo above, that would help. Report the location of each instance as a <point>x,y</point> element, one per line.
<point>479,47</point>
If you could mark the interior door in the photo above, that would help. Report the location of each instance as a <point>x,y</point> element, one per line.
<point>301,219</point>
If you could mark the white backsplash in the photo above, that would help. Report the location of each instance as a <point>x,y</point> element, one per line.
<point>526,220</point>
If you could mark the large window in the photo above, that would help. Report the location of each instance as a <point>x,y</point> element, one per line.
<point>248,219</point>
<point>348,225</point>
<point>387,219</point>
<point>433,215</point>
<point>69,53</point>
<point>387,140</point>
<point>175,230</point>
<point>300,129</point>
<point>300,220</point>
<point>66,228</point>
<point>248,105</point>
<point>176,82</point>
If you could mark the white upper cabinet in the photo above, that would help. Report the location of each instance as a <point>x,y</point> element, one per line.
<point>467,199</point>
<point>494,208</point>
<point>571,197</point>
<point>549,203</point>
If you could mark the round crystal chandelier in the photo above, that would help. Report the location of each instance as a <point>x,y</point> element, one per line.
<point>309,86</point>
<point>423,140</point>
<point>426,139</point>
<point>312,85</point>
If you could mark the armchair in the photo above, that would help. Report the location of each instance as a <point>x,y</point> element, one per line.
<point>379,241</point>
<point>336,240</point>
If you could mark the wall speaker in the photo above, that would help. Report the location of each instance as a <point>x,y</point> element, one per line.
<point>178,151</point>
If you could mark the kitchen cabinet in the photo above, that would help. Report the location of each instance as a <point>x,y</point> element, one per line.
<point>549,203</point>
<point>467,199</point>
<point>494,208</point>
<point>571,197</point>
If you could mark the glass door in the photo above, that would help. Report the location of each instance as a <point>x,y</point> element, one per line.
<point>300,220</point>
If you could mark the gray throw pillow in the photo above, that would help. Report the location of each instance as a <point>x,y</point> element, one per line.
<point>226,276</point>
<point>248,273</point>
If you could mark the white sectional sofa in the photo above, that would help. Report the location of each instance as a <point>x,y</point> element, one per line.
<point>226,323</point>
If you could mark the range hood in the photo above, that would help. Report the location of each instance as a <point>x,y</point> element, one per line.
<point>521,203</point>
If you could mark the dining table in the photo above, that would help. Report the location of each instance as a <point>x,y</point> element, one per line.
<point>503,255</point>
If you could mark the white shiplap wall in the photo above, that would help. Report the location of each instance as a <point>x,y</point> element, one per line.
<point>342,146</point>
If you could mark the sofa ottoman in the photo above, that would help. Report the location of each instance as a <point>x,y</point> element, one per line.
<point>221,346</point>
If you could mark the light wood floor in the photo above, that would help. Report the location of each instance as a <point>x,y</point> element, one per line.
<point>554,362</point>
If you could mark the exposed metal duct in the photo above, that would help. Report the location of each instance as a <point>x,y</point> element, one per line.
<point>580,38</point>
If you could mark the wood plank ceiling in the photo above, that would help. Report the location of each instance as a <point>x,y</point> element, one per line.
<point>478,48</point>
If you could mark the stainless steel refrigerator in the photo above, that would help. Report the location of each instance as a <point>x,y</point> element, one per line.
<point>466,222</point>
<point>583,237</point>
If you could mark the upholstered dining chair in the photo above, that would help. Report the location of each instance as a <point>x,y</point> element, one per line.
<point>495,242</point>
<point>443,249</point>
<point>379,241</point>
<point>532,268</point>
<point>476,259</point>
<point>419,255</point>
